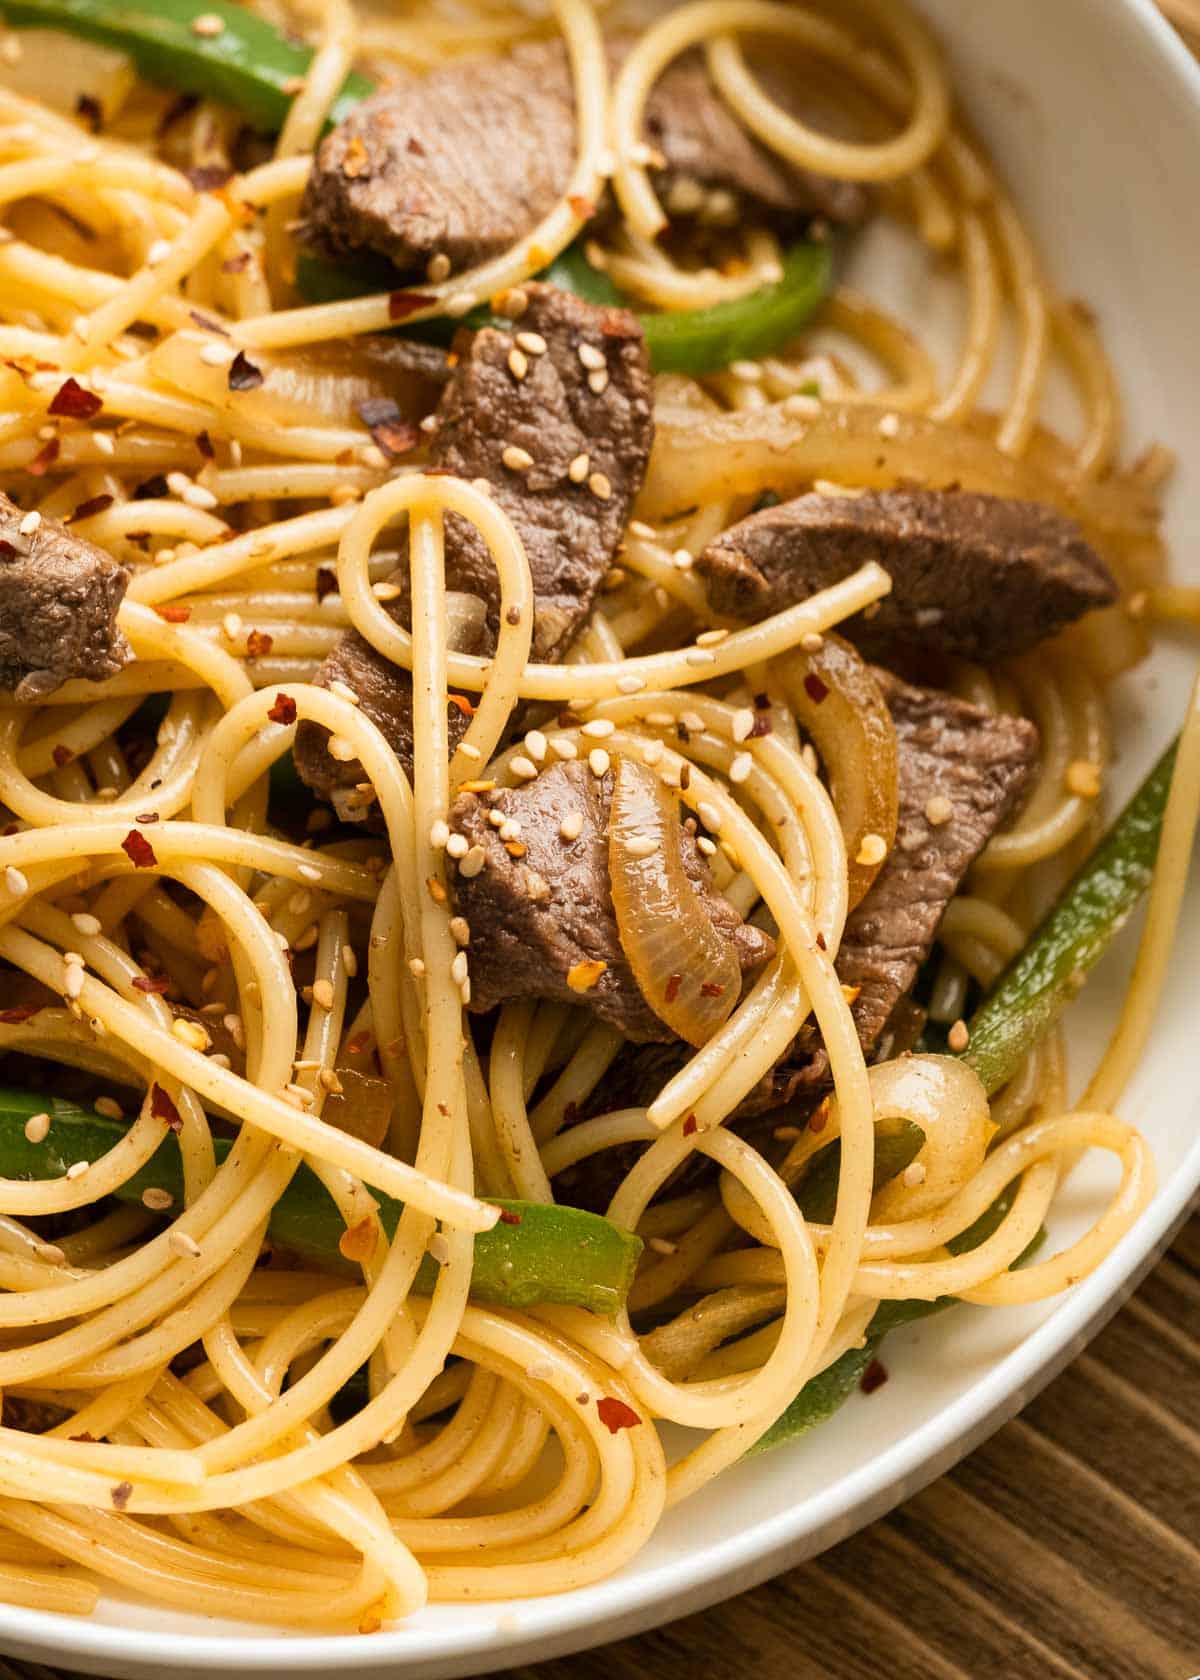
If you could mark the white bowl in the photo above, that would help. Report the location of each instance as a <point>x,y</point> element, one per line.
<point>1093,112</point>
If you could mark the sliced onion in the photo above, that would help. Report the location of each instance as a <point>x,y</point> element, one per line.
<point>688,973</point>
<point>947,1100</point>
<point>321,385</point>
<point>363,1106</point>
<point>69,74</point>
<point>839,703</point>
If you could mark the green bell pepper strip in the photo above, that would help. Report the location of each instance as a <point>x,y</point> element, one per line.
<point>248,64</point>
<point>1081,925</point>
<point>559,1255</point>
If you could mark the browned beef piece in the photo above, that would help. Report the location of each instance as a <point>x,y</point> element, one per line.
<point>466,161</point>
<point>981,764</point>
<point>978,576</point>
<point>535,916</point>
<point>59,596</point>
<point>571,531</point>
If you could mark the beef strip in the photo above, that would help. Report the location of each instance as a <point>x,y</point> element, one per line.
<point>978,761</point>
<point>536,916</point>
<point>59,596</point>
<point>982,577</point>
<point>465,161</point>
<point>571,531</point>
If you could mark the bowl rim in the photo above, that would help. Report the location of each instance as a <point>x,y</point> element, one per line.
<point>624,1605</point>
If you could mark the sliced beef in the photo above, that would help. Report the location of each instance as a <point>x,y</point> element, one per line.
<point>465,161</point>
<point>945,749</point>
<point>982,577</point>
<point>59,596</point>
<point>541,905</point>
<point>560,411</point>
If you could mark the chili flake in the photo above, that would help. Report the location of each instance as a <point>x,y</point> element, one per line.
<point>689,1126</point>
<point>243,375</point>
<point>162,1107</point>
<point>327,582</point>
<point>156,985</point>
<point>615,1414</point>
<point>584,975</point>
<point>403,304</point>
<point>873,1377</point>
<point>45,458</point>
<point>390,430</point>
<point>93,505</point>
<point>284,709</point>
<point>72,402</point>
<point>62,755</point>
<point>138,850</point>
<point>815,688</point>
<point>174,615</point>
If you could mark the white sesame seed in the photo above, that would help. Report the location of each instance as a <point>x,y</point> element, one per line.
<point>308,872</point>
<point>36,1127</point>
<point>535,745</point>
<point>632,684</point>
<point>872,850</point>
<point>82,328</point>
<point>743,724</point>
<point>215,355</point>
<point>889,426</point>
<point>89,926</point>
<point>641,845</point>
<point>958,1037</point>
<point>600,486</point>
<point>599,729</point>
<point>208,23</point>
<point>812,641</point>
<point>473,863</point>
<point>72,959</point>
<point>158,1201</point>
<point>639,528</point>
<point>196,496</point>
<point>749,372</point>
<point>439,833</point>
<point>564,746</point>
<point>913,1174</point>
<point>518,363</point>
<point>190,1033</point>
<point>705,845</point>
<point>517,459</point>
<point>709,816</point>
<point>416,968</point>
<point>340,748</point>
<point>458,968</point>
<point>497,818</point>
<point>16,881</point>
<point>598,761</point>
<point>457,846</point>
<point>460,931</point>
<point>30,523</point>
<point>350,960</point>
<point>591,357</point>
<point>938,810</point>
<point>531,342</point>
<point>104,443</point>
<point>469,751</point>
<point>691,720</point>
<point>439,1248</point>
<point>652,752</point>
<point>711,638</point>
<point>741,767</point>
<point>464,993</point>
<point>798,406</point>
<point>598,382</point>
<point>523,767</point>
<point>385,591</point>
<point>579,468</point>
<point>699,656</point>
<point>437,268</point>
<point>77,1169</point>
<point>322,993</point>
<point>232,625</point>
<point>109,1108</point>
<point>72,980</point>
<point>183,1246</point>
<point>683,560</point>
<point>571,827</point>
<point>510,829</point>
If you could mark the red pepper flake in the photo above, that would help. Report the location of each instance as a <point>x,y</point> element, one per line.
<point>689,1125</point>
<point>414,146</point>
<point>89,110</point>
<point>84,1435</point>
<point>138,850</point>
<point>356,1045</point>
<point>150,489</point>
<point>821,945</point>
<point>259,644</point>
<point>403,304</point>
<point>463,704</point>
<point>391,431</point>
<point>509,1217</point>
<point>685,777</point>
<point>815,688</point>
<point>207,324</point>
<point>615,1414</point>
<point>582,207</point>
<point>62,755</point>
<point>327,582</point>
<point>72,402</point>
<point>209,177</point>
<point>515,848</point>
<point>162,1107</point>
<point>236,265</point>
<point>709,988</point>
<point>154,985</point>
<point>243,375</point>
<point>205,445</point>
<point>873,1377</point>
<point>87,510</point>
<point>14,1017</point>
<point>45,458</point>
<point>762,726</point>
<point>673,985</point>
<point>284,709</point>
<point>437,891</point>
<point>819,1118</point>
<point>173,614</point>
<point>121,1495</point>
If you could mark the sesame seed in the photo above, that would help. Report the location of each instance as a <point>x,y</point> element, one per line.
<point>743,724</point>
<point>232,626</point>
<point>812,641</point>
<point>580,467</point>
<point>598,382</point>
<point>639,528</point>
<point>30,523</point>
<point>109,1108</point>
<point>36,1127</point>
<point>571,827</point>
<point>872,850</point>
<point>709,816</point>
<point>741,767</point>
<point>705,845</point>
<point>89,926</point>
<point>598,761</point>
<point>158,1201</point>
<point>652,752</point>
<point>497,819</point>
<point>183,1246</point>
<point>458,304</point>
<point>631,684</point>
<point>72,980</point>
<point>439,1248</point>
<point>214,355</point>
<point>532,343</point>
<point>641,845</point>
<point>518,363</point>
<point>349,960</point>
<point>16,881</point>
<point>958,1037</point>
<point>599,729</point>
<point>439,833</point>
<point>889,426</point>
<point>699,656</point>
<point>77,1169</point>
<point>710,638</point>
<point>343,691</point>
<point>913,1174</point>
<point>600,486</point>
<point>196,496</point>
<point>591,357</point>
<point>464,993</point>
<point>458,968</point>
<point>190,1033</point>
<point>72,959</point>
<point>510,829</point>
<point>1082,778</point>
<point>308,872</point>
<point>338,747</point>
<point>158,252</point>
<point>469,751</point>
<point>564,746</point>
<point>517,459</point>
<point>386,591</point>
<point>798,406</point>
<point>208,24</point>
<point>692,721</point>
<point>457,846</point>
<point>473,863</point>
<point>460,931</point>
<point>749,372</point>
<point>938,810</point>
<point>437,268</point>
<point>535,745</point>
<point>416,968</point>
<point>523,767</point>
<point>683,559</point>
<point>323,994</point>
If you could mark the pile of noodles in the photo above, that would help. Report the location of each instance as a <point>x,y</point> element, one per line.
<point>239,1493</point>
